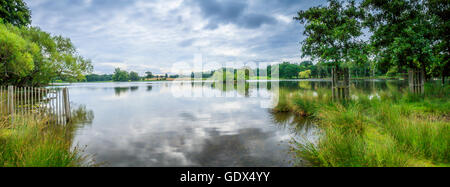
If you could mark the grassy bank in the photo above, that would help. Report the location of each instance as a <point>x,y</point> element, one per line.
<point>389,129</point>
<point>34,143</point>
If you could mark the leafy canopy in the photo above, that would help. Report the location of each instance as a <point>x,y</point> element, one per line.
<point>402,32</point>
<point>16,55</point>
<point>120,75</point>
<point>15,12</point>
<point>333,32</point>
<point>30,56</point>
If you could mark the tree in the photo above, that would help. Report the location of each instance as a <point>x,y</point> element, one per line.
<point>49,57</point>
<point>439,11</point>
<point>333,36</point>
<point>402,33</point>
<point>149,75</point>
<point>332,32</point>
<point>305,74</point>
<point>16,56</point>
<point>95,78</point>
<point>15,12</point>
<point>288,70</point>
<point>69,64</point>
<point>134,76</point>
<point>120,76</point>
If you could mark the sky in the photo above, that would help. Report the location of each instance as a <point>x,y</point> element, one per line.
<point>153,35</point>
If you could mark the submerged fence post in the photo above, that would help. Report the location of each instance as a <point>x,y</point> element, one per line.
<point>66,104</point>
<point>416,81</point>
<point>340,83</point>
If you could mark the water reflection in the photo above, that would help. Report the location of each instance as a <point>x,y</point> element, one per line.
<point>122,90</point>
<point>81,118</point>
<point>151,127</point>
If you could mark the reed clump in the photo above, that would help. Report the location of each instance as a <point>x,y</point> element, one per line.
<point>36,143</point>
<point>391,129</point>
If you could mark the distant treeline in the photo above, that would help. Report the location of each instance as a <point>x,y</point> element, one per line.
<point>287,70</point>
<point>124,76</point>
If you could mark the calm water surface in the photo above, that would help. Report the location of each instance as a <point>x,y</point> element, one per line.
<point>144,124</point>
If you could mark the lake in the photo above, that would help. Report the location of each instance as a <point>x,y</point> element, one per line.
<point>150,124</point>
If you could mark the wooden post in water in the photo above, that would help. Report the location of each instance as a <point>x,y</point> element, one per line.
<point>340,83</point>
<point>66,102</point>
<point>416,79</point>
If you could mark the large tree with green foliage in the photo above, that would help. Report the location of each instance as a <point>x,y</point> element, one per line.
<point>47,57</point>
<point>120,75</point>
<point>16,56</point>
<point>149,75</point>
<point>333,32</point>
<point>288,70</point>
<point>134,76</point>
<point>439,11</point>
<point>32,57</point>
<point>15,12</point>
<point>402,33</point>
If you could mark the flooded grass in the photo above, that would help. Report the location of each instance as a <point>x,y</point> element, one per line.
<point>34,143</point>
<point>389,130</point>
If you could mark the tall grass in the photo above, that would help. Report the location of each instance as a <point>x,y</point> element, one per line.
<point>394,129</point>
<point>38,144</point>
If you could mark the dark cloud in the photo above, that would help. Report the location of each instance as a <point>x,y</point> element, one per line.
<point>231,12</point>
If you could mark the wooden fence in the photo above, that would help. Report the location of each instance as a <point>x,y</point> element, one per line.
<point>17,103</point>
<point>340,83</point>
<point>416,79</point>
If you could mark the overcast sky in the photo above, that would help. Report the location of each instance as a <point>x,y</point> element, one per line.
<point>152,35</point>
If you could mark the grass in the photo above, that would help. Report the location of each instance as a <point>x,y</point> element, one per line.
<point>34,143</point>
<point>396,129</point>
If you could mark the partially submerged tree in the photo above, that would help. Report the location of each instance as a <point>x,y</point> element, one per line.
<point>333,35</point>
<point>403,37</point>
<point>439,10</point>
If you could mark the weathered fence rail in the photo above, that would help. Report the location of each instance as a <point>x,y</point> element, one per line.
<point>18,103</point>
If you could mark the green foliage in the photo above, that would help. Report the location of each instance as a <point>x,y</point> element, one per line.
<point>409,34</point>
<point>404,34</point>
<point>15,12</point>
<point>98,78</point>
<point>32,57</point>
<point>398,129</point>
<point>149,75</point>
<point>332,32</point>
<point>120,76</point>
<point>16,55</point>
<point>288,70</point>
<point>36,144</point>
<point>135,76</point>
<point>439,11</point>
<point>305,74</point>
